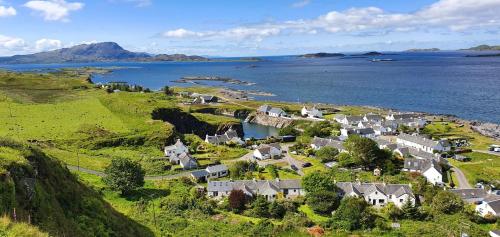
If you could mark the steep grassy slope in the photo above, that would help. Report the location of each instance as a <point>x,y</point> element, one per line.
<point>41,189</point>
<point>9,228</point>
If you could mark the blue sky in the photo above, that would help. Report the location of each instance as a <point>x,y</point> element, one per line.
<point>256,27</point>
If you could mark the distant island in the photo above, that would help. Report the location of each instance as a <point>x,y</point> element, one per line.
<point>373,53</point>
<point>423,50</point>
<point>106,52</point>
<point>484,47</point>
<point>321,55</point>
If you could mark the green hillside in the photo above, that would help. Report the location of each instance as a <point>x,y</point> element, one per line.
<point>40,189</point>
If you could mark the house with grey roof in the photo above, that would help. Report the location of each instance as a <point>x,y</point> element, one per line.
<point>373,118</point>
<point>311,112</point>
<point>205,99</point>
<point>267,151</point>
<point>176,149</point>
<point>318,143</point>
<point>423,144</point>
<point>230,136</point>
<point>378,194</point>
<point>217,171</point>
<point>270,189</point>
<point>398,116</point>
<point>384,144</point>
<point>363,132</point>
<point>429,168</point>
<point>351,120</point>
<point>489,207</point>
<point>470,195</point>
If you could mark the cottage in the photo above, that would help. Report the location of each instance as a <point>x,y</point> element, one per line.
<point>267,151</point>
<point>339,118</point>
<point>318,143</point>
<point>230,136</point>
<point>363,132</point>
<point>378,194</point>
<point>489,206</point>
<point>205,99</point>
<point>199,175</point>
<point>185,160</point>
<point>176,149</point>
<point>217,171</point>
<point>270,189</point>
<point>373,118</point>
<point>471,195</point>
<point>311,112</point>
<point>398,116</point>
<point>384,144</point>
<point>351,120</point>
<point>271,111</point>
<point>423,144</point>
<point>430,169</point>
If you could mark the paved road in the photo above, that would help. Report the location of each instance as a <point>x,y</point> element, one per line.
<point>462,180</point>
<point>152,177</point>
<point>488,152</point>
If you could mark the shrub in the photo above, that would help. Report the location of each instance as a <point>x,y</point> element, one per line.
<point>237,200</point>
<point>327,154</point>
<point>124,175</point>
<point>323,202</point>
<point>318,181</point>
<point>353,214</point>
<point>446,202</point>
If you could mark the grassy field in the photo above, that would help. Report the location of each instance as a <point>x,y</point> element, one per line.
<point>452,130</point>
<point>481,167</point>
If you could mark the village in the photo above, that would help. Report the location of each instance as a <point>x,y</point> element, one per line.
<point>395,133</point>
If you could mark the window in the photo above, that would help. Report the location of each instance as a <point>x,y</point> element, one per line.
<point>401,200</point>
<point>381,201</point>
<point>216,193</point>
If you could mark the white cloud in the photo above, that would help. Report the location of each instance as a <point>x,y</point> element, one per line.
<point>301,3</point>
<point>7,11</point>
<point>54,10</point>
<point>444,15</point>
<point>47,44</point>
<point>11,45</point>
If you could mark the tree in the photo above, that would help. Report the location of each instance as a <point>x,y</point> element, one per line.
<point>392,211</point>
<point>124,175</point>
<point>364,151</point>
<point>237,200</point>
<point>353,214</point>
<point>323,201</point>
<point>345,160</point>
<point>447,202</point>
<point>288,131</point>
<point>260,207</point>
<point>409,210</point>
<point>318,181</point>
<point>327,153</point>
<point>167,91</point>
<point>276,210</point>
<point>319,129</point>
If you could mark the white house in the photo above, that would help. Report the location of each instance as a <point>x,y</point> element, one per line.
<point>318,142</point>
<point>429,168</point>
<point>267,151</point>
<point>373,118</point>
<point>176,149</point>
<point>378,194</point>
<point>363,132</point>
<point>217,171</point>
<point>397,116</point>
<point>349,120</point>
<point>205,99</point>
<point>270,111</point>
<point>311,113</point>
<point>489,207</point>
<point>422,143</point>
<point>270,189</point>
<point>230,136</point>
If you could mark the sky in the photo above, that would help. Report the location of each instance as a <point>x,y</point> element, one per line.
<point>248,27</point>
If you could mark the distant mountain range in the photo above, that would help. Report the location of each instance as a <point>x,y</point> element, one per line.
<point>98,52</point>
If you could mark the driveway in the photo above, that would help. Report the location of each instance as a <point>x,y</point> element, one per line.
<point>462,180</point>
<point>487,152</point>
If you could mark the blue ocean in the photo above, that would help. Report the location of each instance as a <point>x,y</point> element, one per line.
<point>434,82</point>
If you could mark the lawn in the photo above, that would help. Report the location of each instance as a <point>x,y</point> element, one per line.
<point>55,121</point>
<point>451,130</point>
<point>311,215</point>
<point>481,167</point>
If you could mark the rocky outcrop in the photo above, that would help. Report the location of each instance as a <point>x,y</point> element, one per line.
<point>238,113</point>
<point>487,129</point>
<point>266,120</point>
<point>187,123</point>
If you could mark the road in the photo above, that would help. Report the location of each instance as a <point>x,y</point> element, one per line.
<point>148,177</point>
<point>487,152</point>
<point>462,180</point>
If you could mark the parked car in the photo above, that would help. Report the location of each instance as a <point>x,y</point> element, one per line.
<point>307,164</point>
<point>294,167</point>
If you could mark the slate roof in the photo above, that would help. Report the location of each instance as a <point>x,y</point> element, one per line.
<point>363,189</point>
<point>253,186</point>
<point>331,142</point>
<point>371,117</point>
<point>470,193</point>
<point>418,139</point>
<point>421,154</point>
<point>198,174</point>
<point>495,205</point>
<point>216,168</point>
<point>187,161</point>
<point>276,111</point>
<point>264,108</point>
<point>421,165</point>
<point>229,135</point>
<point>352,119</point>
